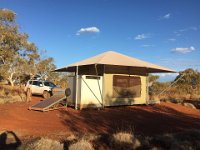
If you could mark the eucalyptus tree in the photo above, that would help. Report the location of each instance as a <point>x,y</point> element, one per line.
<point>188,77</point>
<point>16,52</point>
<point>45,67</point>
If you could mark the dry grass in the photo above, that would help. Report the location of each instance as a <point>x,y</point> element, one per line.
<point>177,92</point>
<point>179,141</point>
<point>121,141</point>
<point>195,96</point>
<point>81,145</point>
<point>124,140</point>
<point>10,94</point>
<point>42,144</point>
<point>89,137</point>
<point>71,137</point>
<point>123,137</point>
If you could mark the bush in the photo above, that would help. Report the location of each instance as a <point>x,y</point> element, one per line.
<point>119,141</point>
<point>81,145</point>
<point>185,86</point>
<point>178,141</point>
<point>176,101</point>
<point>10,94</point>
<point>124,140</point>
<point>123,137</point>
<point>42,144</point>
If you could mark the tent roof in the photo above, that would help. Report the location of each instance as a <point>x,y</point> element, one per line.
<point>117,59</point>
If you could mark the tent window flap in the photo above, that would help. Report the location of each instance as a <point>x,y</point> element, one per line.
<point>126,86</point>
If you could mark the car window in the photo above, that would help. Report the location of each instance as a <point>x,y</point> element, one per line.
<point>35,83</point>
<point>46,83</point>
<point>52,84</point>
<point>30,82</point>
<point>39,83</point>
<point>49,84</point>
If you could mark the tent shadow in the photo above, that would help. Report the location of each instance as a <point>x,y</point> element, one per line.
<point>145,120</point>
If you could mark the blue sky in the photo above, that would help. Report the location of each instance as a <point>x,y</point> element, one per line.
<point>159,31</point>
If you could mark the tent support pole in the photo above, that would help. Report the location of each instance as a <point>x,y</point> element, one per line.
<point>99,85</point>
<point>147,89</point>
<point>103,86</point>
<point>76,88</point>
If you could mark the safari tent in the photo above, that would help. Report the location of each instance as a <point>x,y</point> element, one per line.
<point>109,79</point>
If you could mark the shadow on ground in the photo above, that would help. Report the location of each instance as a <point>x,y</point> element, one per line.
<point>143,120</point>
<point>9,140</point>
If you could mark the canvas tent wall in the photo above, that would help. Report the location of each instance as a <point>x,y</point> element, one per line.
<point>98,91</point>
<point>124,89</point>
<point>89,91</point>
<point>111,68</point>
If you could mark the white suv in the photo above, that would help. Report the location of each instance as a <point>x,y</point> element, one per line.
<point>40,87</point>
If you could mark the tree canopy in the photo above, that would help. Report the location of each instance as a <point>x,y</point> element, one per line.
<point>15,49</point>
<point>188,77</point>
<point>19,58</point>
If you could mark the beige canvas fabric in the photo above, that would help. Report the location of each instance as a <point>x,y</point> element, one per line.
<point>117,59</point>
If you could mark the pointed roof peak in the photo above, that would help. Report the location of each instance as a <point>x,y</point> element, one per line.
<point>111,52</point>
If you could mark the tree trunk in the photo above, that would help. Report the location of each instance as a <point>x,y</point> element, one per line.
<point>10,80</point>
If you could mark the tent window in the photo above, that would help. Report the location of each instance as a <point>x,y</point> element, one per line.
<point>126,86</point>
<point>93,77</point>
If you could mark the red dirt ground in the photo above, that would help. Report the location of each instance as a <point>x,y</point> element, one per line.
<point>145,120</point>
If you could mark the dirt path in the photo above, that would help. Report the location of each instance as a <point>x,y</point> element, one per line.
<point>147,120</point>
